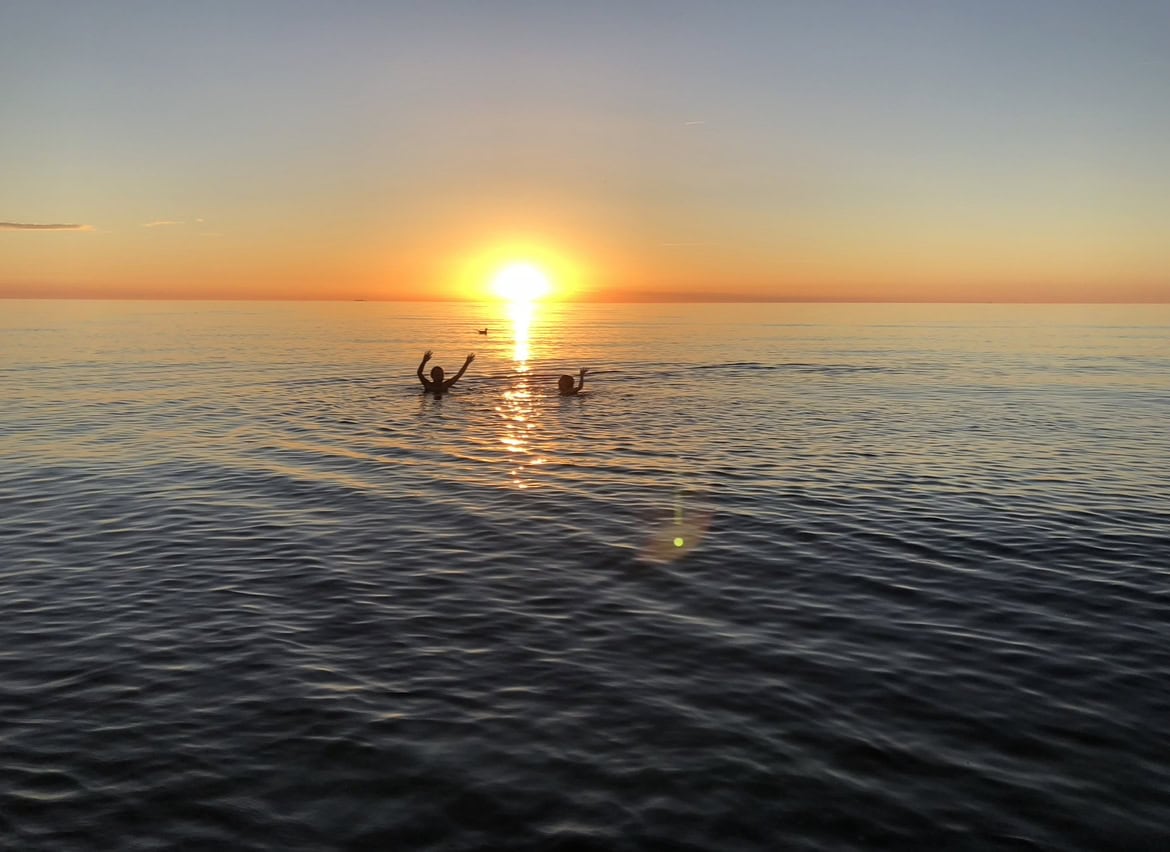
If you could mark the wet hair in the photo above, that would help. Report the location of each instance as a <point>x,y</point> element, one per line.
<point>436,374</point>
<point>565,383</point>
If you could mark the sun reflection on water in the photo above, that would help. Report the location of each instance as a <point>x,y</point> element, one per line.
<point>519,406</point>
<point>520,431</point>
<point>521,313</point>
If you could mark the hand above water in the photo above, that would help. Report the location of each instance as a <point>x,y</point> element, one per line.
<point>426,356</point>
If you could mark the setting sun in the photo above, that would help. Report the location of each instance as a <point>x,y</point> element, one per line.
<point>521,282</point>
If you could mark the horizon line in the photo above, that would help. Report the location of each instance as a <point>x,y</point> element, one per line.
<point>704,300</point>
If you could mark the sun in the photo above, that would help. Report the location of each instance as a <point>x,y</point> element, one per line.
<point>521,282</point>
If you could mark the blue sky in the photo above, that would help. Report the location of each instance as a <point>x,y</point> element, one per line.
<point>786,150</point>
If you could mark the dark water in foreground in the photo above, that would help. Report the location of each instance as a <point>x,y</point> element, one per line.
<point>788,577</point>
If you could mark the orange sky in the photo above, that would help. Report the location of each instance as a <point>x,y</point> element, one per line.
<point>965,152</point>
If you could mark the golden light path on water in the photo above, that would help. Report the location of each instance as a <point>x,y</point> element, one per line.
<point>521,313</point>
<point>517,408</point>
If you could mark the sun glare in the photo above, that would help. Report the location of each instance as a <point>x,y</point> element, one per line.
<point>521,282</point>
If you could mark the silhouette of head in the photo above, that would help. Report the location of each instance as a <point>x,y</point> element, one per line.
<point>437,374</point>
<point>565,383</point>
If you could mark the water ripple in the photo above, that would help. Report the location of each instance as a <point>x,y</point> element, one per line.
<point>847,589</point>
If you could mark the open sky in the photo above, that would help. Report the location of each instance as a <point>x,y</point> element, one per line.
<point>957,151</point>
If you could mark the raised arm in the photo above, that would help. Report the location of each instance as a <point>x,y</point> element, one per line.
<point>462,370</point>
<point>423,363</point>
<point>581,379</point>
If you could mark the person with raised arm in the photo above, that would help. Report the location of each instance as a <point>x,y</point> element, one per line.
<point>565,383</point>
<point>437,384</point>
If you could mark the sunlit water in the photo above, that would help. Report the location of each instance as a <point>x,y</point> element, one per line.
<point>786,576</point>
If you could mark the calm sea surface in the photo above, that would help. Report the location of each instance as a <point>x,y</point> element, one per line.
<point>785,577</point>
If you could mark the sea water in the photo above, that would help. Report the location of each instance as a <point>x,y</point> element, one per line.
<point>783,576</point>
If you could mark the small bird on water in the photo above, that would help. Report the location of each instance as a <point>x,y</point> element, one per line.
<point>481,331</point>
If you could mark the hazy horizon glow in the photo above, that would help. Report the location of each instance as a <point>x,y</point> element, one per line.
<point>954,152</point>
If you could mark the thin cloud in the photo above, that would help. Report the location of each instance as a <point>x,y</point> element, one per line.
<point>693,123</point>
<point>160,223</point>
<point>28,226</point>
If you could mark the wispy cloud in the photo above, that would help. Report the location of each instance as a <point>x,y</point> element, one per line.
<point>693,123</point>
<point>160,223</point>
<point>28,226</point>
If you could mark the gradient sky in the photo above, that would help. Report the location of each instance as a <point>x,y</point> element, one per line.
<point>889,150</point>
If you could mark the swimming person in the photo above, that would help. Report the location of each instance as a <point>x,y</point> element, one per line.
<point>437,385</point>
<point>565,383</point>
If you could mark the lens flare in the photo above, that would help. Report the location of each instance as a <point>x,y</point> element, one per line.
<point>678,530</point>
